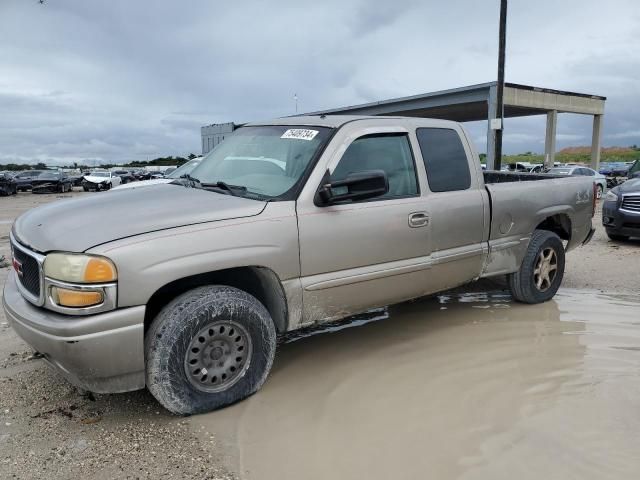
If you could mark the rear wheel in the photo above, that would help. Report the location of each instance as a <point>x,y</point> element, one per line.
<point>542,269</point>
<point>208,348</point>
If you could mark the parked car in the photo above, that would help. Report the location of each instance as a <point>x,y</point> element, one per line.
<point>8,185</point>
<point>598,178</point>
<point>169,171</point>
<point>184,287</point>
<point>23,179</point>
<point>634,170</point>
<point>76,179</point>
<point>621,210</point>
<point>185,169</point>
<point>125,176</point>
<point>100,180</point>
<point>140,174</point>
<point>50,181</point>
<point>526,167</point>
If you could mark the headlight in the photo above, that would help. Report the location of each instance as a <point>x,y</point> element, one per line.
<point>75,268</point>
<point>611,197</point>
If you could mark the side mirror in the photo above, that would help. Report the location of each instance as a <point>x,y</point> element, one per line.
<point>356,186</point>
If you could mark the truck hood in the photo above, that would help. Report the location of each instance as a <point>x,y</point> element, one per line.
<point>79,224</point>
<point>143,183</point>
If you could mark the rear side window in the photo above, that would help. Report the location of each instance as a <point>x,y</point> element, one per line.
<point>444,158</point>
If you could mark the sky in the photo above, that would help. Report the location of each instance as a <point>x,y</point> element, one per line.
<point>96,81</point>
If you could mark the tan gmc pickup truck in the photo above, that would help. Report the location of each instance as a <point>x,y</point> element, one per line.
<point>184,287</point>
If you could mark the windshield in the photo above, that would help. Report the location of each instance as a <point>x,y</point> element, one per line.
<point>185,169</point>
<point>99,174</point>
<point>268,161</point>
<point>49,175</point>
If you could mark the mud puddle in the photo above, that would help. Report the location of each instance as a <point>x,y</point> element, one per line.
<point>462,386</point>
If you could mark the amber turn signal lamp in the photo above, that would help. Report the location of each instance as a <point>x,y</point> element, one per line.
<point>75,298</point>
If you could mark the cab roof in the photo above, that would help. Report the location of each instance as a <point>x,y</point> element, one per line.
<point>335,121</point>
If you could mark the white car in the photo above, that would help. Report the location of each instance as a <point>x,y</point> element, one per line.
<point>100,180</point>
<point>600,179</point>
<point>185,169</point>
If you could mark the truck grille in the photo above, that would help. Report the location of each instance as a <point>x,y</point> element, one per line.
<point>631,203</point>
<point>28,270</point>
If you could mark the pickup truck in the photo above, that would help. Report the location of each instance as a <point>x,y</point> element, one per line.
<point>185,287</point>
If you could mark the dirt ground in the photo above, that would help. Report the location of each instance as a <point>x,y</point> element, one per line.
<point>49,428</point>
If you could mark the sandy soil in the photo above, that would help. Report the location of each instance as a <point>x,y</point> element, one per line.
<point>48,427</point>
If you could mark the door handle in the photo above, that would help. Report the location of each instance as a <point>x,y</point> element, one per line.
<point>418,219</point>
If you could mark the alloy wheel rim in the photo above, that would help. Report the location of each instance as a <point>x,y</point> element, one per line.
<point>546,269</point>
<point>218,356</point>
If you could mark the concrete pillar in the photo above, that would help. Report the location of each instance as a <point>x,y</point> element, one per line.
<point>596,138</point>
<point>491,133</point>
<point>550,138</point>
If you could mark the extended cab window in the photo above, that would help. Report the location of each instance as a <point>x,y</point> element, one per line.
<point>388,152</point>
<point>444,159</point>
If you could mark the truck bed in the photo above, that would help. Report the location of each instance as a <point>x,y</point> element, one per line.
<point>494,176</point>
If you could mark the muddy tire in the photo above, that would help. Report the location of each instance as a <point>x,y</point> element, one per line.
<point>616,237</point>
<point>542,269</point>
<point>210,347</point>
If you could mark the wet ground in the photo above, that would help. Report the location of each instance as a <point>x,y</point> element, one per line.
<point>465,385</point>
<point>461,386</point>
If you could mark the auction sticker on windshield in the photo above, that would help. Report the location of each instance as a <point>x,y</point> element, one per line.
<point>300,134</point>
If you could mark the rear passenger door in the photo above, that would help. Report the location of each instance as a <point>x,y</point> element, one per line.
<point>458,206</point>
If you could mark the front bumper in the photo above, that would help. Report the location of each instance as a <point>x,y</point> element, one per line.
<point>102,353</point>
<point>620,222</point>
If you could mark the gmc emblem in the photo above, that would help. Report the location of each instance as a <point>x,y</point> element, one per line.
<point>17,266</point>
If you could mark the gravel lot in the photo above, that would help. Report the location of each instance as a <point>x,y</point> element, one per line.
<point>48,428</point>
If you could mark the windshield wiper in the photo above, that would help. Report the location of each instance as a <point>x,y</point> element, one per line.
<point>231,189</point>
<point>187,180</point>
<point>190,178</point>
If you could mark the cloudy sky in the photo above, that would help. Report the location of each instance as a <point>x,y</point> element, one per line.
<point>121,80</point>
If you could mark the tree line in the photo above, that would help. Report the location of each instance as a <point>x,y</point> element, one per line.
<point>160,161</point>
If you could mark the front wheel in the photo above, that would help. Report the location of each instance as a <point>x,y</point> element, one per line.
<point>599,192</point>
<point>542,269</point>
<point>210,347</point>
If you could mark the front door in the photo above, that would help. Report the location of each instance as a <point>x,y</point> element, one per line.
<point>360,255</point>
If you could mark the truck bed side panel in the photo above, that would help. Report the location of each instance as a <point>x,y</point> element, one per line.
<point>517,208</point>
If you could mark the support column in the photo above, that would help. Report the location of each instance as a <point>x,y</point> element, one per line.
<point>491,133</point>
<point>596,138</point>
<point>550,139</point>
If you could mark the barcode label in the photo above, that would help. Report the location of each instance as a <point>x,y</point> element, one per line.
<point>300,134</point>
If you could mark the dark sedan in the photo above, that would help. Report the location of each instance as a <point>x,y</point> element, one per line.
<point>621,211</point>
<point>8,185</point>
<point>125,176</point>
<point>51,182</point>
<point>24,179</point>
